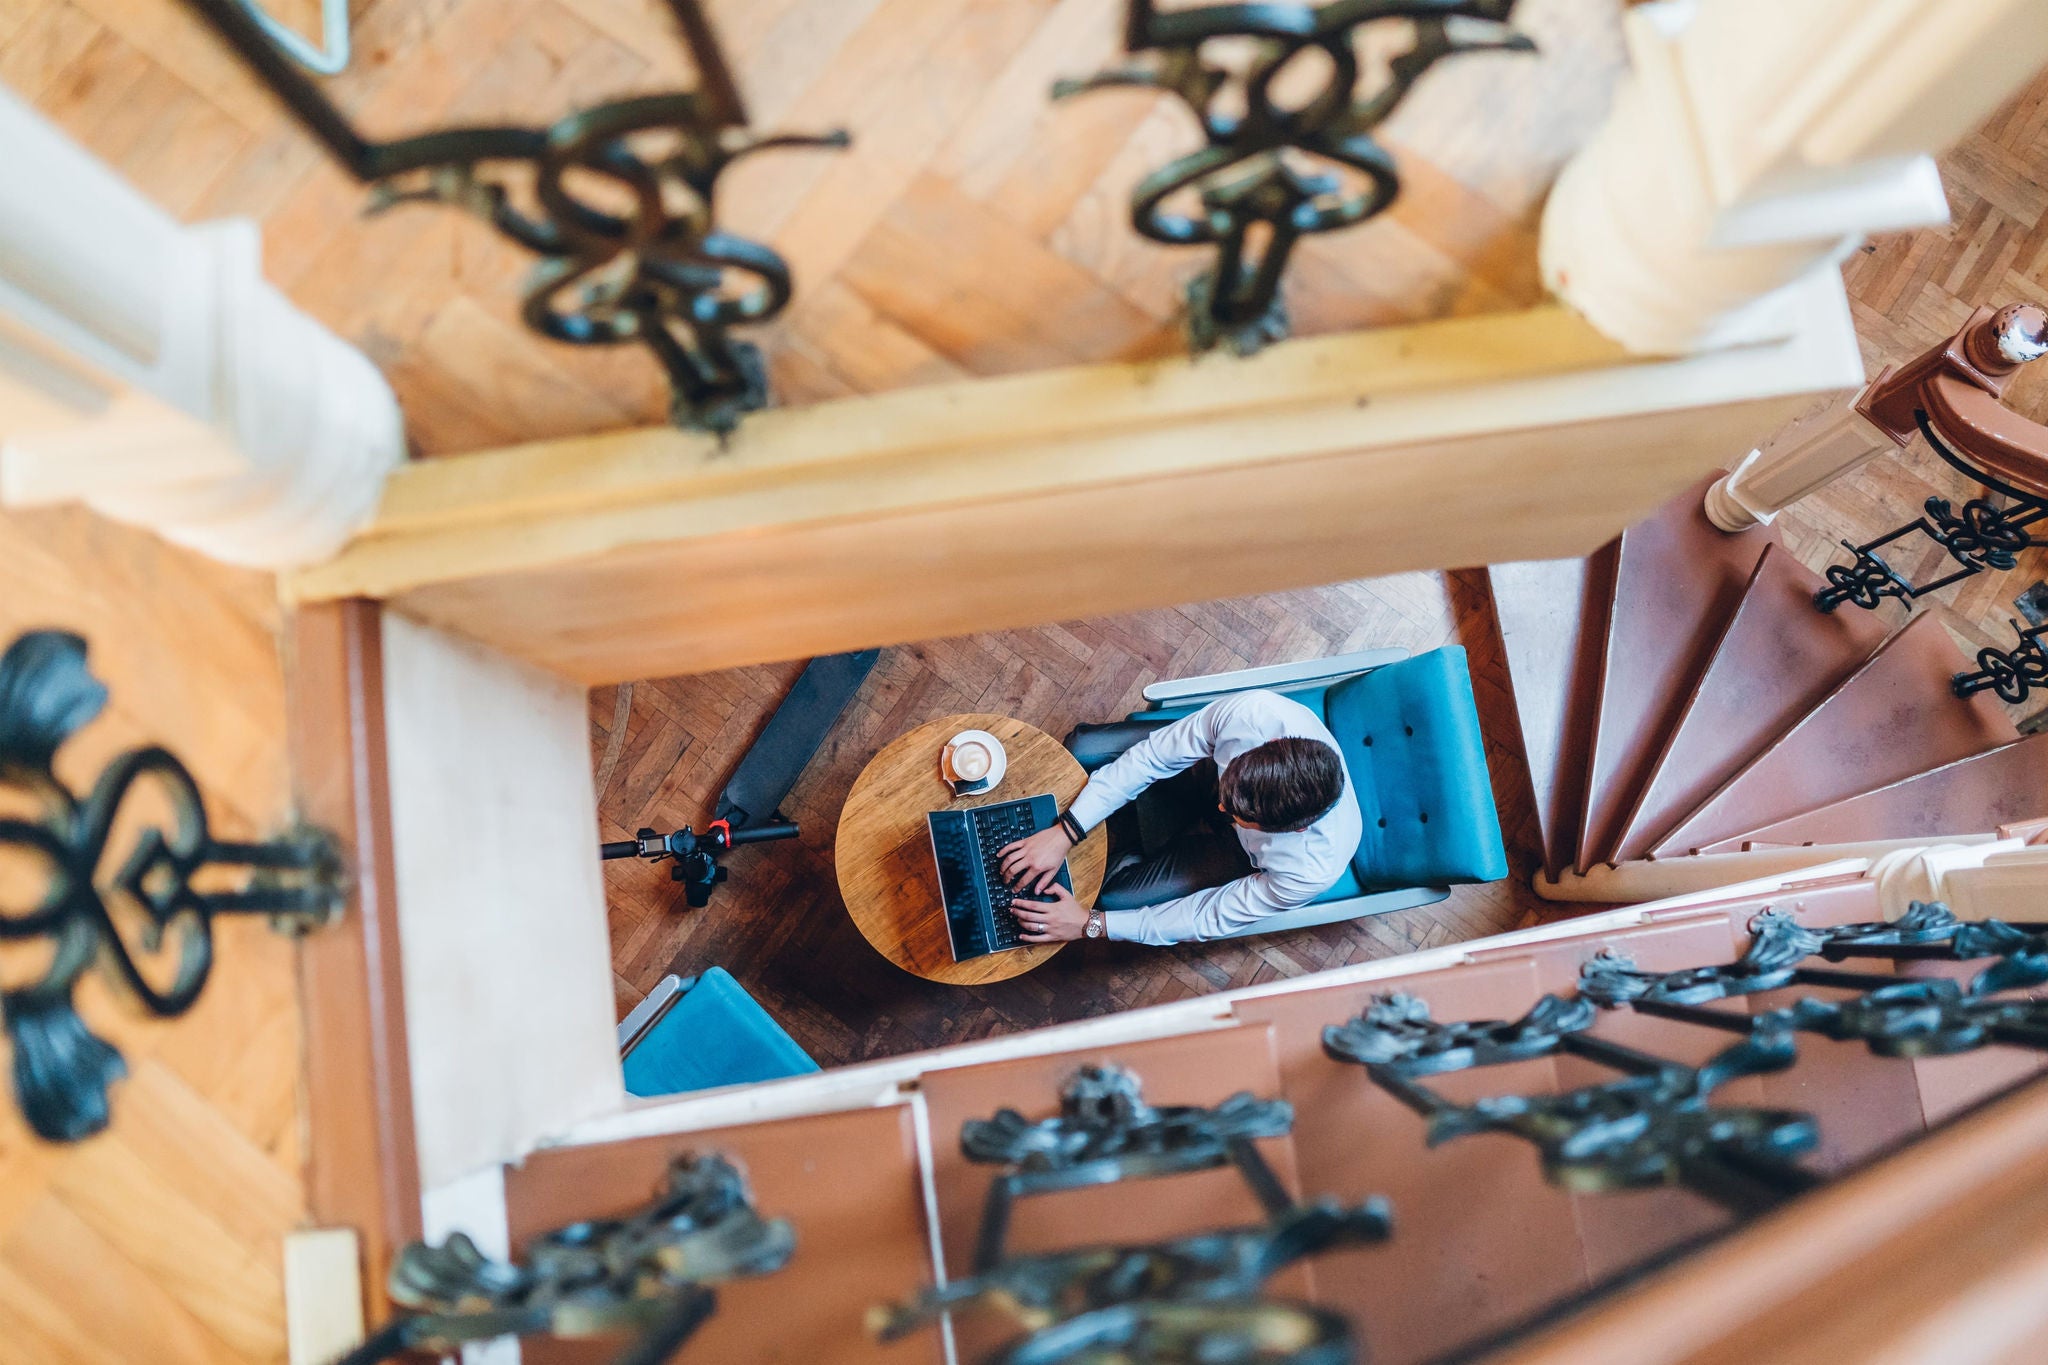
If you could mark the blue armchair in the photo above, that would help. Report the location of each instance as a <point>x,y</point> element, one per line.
<point>701,1032</point>
<point>1409,732</point>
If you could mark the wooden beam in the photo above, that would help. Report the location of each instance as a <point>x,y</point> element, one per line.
<point>362,1171</point>
<point>1072,492</point>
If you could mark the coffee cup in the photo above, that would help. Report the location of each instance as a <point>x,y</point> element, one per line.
<point>970,760</point>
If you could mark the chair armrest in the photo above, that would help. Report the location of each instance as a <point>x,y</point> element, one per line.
<point>650,1010</point>
<point>1185,691</point>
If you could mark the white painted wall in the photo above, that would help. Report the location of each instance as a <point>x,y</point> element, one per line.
<point>501,911</point>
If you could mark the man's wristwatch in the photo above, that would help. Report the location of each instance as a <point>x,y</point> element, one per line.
<point>1096,927</point>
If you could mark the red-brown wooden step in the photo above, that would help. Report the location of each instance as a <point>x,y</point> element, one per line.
<point>1892,718</point>
<point>1677,582</point>
<point>1776,661</point>
<point>1552,616</point>
<point>1975,795</point>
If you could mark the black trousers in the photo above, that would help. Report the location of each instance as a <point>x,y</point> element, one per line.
<point>1172,840</point>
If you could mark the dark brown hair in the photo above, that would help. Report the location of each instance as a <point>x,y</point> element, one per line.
<point>1283,785</point>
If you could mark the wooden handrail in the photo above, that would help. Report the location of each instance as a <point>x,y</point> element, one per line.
<point>362,1170</point>
<point>1938,1254</point>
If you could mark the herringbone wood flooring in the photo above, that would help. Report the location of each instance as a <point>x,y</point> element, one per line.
<point>974,228</point>
<point>1910,291</point>
<point>665,748</point>
<point>160,1240</point>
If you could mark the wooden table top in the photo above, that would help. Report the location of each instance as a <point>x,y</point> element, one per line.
<point>884,851</point>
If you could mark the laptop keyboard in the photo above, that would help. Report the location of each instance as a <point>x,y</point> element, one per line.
<point>996,828</point>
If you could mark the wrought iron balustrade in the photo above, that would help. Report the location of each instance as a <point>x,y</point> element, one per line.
<point>1195,1299</point>
<point>2012,673</point>
<point>647,1276</point>
<point>128,877</point>
<point>639,260</point>
<point>1274,168</point>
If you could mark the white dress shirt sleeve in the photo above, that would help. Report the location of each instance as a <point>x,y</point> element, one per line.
<point>1215,913</point>
<point>1170,749</point>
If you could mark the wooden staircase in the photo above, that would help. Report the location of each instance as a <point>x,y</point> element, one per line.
<point>878,1189</point>
<point>1678,693</point>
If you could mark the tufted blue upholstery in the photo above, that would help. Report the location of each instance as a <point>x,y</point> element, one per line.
<point>716,1034</point>
<point>1410,736</point>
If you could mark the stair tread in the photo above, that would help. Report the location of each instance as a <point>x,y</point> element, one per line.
<point>1776,661</point>
<point>1552,617</point>
<point>1891,719</point>
<point>1677,581</point>
<point>1974,795</point>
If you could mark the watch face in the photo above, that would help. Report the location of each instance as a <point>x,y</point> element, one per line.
<point>1095,926</point>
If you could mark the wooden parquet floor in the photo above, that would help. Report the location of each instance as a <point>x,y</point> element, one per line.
<point>974,228</point>
<point>161,1240</point>
<point>665,748</point>
<point>1909,291</point>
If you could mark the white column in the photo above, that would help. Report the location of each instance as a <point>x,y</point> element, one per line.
<point>148,370</point>
<point>1756,141</point>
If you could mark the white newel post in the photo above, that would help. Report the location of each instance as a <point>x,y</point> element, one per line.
<point>1756,141</point>
<point>1805,456</point>
<point>148,370</point>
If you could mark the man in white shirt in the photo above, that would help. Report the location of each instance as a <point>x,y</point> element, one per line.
<point>1268,764</point>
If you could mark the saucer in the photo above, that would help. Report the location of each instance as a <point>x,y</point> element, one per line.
<point>999,764</point>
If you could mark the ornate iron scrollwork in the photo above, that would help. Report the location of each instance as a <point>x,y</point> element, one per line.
<point>1209,1268</point>
<point>1105,1132</point>
<point>1257,177</point>
<point>1190,1301</point>
<point>1656,1127</point>
<point>1891,1015</point>
<point>655,274</point>
<point>1652,1126</point>
<point>2012,673</point>
<point>1777,946</point>
<point>1983,536</point>
<point>106,887</point>
<point>1396,1032</point>
<point>647,1274</point>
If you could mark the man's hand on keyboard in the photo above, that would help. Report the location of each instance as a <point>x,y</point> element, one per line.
<point>1031,864</point>
<point>1051,921</point>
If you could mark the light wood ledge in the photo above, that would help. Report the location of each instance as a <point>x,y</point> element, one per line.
<point>1071,492</point>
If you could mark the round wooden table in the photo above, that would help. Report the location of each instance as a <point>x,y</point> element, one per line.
<point>884,851</point>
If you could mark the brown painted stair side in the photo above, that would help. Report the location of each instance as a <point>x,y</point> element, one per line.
<point>850,1184</point>
<point>1777,660</point>
<point>2004,786</point>
<point>1482,1240</point>
<point>1676,584</point>
<point>1891,719</point>
<point>1552,616</point>
<point>1199,1068</point>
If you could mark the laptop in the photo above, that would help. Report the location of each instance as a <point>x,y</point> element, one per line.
<point>965,844</point>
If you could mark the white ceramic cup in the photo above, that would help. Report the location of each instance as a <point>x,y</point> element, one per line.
<point>970,760</point>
